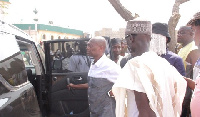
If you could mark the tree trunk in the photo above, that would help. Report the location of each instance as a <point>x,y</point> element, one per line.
<point>122,11</point>
<point>172,23</point>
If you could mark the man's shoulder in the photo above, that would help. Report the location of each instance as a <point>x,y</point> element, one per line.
<point>194,54</point>
<point>73,57</point>
<point>110,67</point>
<point>125,59</point>
<point>173,55</point>
<point>105,61</point>
<point>173,58</point>
<point>148,61</point>
<point>77,56</point>
<point>109,62</point>
<point>145,58</point>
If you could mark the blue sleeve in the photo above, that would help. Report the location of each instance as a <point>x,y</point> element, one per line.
<point>180,66</point>
<point>72,64</point>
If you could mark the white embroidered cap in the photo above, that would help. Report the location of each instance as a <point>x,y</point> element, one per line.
<point>138,26</point>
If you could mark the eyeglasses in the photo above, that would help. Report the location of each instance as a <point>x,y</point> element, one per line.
<point>127,36</point>
<point>132,36</point>
<point>181,33</point>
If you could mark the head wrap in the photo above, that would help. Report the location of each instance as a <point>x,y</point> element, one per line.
<point>138,26</point>
<point>158,44</point>
<point>115,41</point>
<point>195,17</point>
<point>161,28</point>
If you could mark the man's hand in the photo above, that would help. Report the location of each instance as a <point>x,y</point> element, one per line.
<point>71,86</point>
<point>78,86</point>
<point>110,93</point>
<point>190,83</point>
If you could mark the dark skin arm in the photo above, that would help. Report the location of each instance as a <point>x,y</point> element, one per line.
<point>78,86</point>
<point>143,105</point>
<point>143,102</point>
<point>193,57</point>
<point>190,83</point>
<point>83,86</point>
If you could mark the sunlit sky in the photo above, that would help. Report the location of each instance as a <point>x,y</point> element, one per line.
<point>93,15</point>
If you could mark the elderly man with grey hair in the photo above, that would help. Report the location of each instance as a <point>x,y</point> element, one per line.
<point>154,88</point>
<point>102,75</point>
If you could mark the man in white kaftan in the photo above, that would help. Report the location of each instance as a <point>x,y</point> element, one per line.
<point>153,75</point>
<point>148,74</point>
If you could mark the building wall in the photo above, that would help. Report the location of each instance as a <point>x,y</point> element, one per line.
<point>57,35</point>
<point>49,32</point>
<point>110,33</point>
<point>4,6</point>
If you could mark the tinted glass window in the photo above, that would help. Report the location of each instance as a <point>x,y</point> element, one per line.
<point>3,89</point>
<point>26,58</point>
<point>70,57</point>
<point>12,67</point>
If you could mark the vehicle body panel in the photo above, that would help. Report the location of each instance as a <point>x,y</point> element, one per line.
<point>17,94</point>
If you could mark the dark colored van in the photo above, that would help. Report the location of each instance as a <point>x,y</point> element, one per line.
<point>17,94</point>
<point>33,82</point>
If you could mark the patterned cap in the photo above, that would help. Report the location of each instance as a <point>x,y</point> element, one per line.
<point>138,26</point>
<point>196,16</point>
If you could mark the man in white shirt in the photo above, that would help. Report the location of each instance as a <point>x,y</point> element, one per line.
<point>102,75</point>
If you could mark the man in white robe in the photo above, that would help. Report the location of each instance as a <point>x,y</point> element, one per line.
<point>154,87</point>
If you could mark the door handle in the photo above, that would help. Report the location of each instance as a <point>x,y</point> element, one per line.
<point>54,78</point>
<point>80,78</point>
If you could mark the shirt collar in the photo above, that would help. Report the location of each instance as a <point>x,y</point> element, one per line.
<point>98,63</point>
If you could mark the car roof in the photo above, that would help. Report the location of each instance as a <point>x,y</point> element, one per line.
<point>11,29</point>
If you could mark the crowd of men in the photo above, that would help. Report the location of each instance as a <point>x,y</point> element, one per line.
<point>150,81</point>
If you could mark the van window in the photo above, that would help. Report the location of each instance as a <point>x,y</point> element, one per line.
<point>26,58</point>
<point>12,67</point>
<point>3,89</point>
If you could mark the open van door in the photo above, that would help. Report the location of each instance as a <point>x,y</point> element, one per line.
<point>64,102</point>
